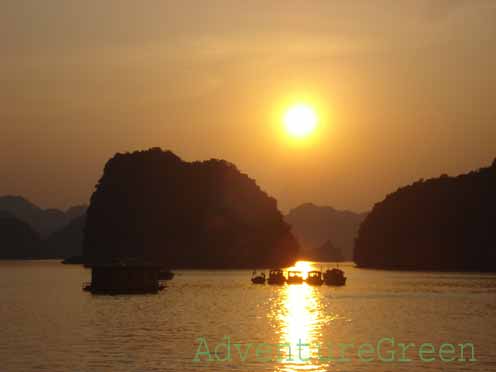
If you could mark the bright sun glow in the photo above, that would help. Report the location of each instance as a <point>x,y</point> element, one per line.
<point>304,267</point>
<point>300,120</point>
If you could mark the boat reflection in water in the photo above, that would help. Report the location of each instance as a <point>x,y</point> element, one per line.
<point>298,316</point>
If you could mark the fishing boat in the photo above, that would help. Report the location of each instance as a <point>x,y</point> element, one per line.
<point>314,278</point>
<point>258,279</point>
<point>276,276</point>
<point>124,277</point>
<point>334,277</point>
<point>295,277</point>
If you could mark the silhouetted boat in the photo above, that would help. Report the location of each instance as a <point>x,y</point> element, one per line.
<point>165,274</point>
<point>295,277</point>
<point>276,276</point>
<point>314,278</point>
<point>124,278</point>
<point>334,277</point>
<point>258,279</point>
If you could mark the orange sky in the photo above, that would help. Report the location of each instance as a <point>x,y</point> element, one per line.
<point>404,89</point>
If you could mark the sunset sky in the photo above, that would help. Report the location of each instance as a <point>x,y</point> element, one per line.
<point>402,89</point>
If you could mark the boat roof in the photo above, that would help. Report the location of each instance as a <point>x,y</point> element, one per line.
<point>126,264</point>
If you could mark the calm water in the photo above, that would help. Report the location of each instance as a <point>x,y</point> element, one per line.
<point>49,324</point>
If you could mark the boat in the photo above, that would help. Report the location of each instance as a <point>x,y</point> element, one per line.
<point>276,276</point>
<point>295,277</point>
<point>334,277</point>
<point>124,277</point>
<point>314,278</point>
<point>258,279</point>
<point>165,274</point>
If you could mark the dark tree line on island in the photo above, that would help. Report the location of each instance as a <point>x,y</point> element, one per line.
<point>151,205</point>
<point>445,223</point>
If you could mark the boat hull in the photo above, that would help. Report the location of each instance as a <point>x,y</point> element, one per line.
<point>258,280</point>
<point>315,282</point>
<point>276,281</point>
<point>114,292</point>
<point>295,281</point>
<point>334,277</point>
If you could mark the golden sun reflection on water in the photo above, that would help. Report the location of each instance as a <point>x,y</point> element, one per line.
<point>300,318</point>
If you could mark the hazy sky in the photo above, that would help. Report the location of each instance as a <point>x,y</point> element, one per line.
<point>404,89</point>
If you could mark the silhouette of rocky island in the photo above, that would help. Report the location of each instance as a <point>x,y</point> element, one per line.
<point>44,221</point>
<point>18,239</point>
<point>153,206</point>
<point>445,223</point>
<point>316,225</point>
<point>58,233</point>
<point>327,252</point>
<point>67,242</point>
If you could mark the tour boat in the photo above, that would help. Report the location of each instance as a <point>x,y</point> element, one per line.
<point>334,277</point>
<point>124,277</point>
<point>314,278</point>
<point>295,277</point>
<point>276,276</point>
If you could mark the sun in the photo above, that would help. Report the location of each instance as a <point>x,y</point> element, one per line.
<point>300,120</point>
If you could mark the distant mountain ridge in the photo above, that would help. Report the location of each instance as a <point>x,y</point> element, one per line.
<point>445,223</point>
<point>325,232</point>
<point>39,233</point>
<point>44,221</point>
